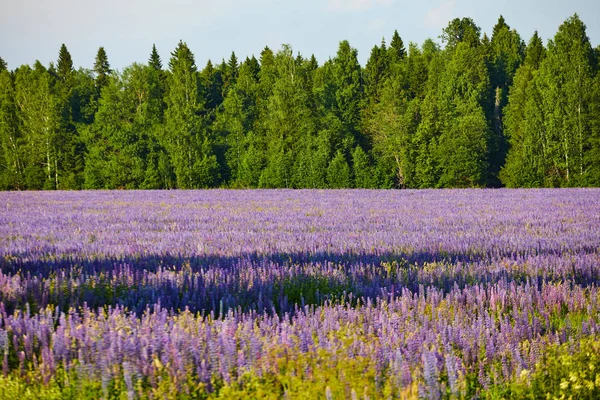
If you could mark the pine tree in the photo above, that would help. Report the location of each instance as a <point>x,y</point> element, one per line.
<point>3,65</point>
<point>535,52</point>
<point>154,61</point>
<point>505,56</point>
<point>230,72</point>
<point>525,158</point>
<point>212,83</point>
<point>287,120</point>
<point>64,67</point>
<point>397,50</point>
<point>375,73</point>
<point>102,69</point>
<point>186,138</point>
<point>348,93</point>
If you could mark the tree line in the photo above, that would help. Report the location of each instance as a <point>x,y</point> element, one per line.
<point>479,112</point>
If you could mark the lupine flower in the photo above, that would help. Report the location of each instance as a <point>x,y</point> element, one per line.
<point>210,285</point>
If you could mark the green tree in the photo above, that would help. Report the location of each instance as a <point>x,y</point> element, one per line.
<point>154,61</point>
<point>375,72</point>
<point>212,82</point>
<point>186,137</point>
<point>11,142</point>
<point>506,55</point>
<point>3,65</point>
<point>39,121</point>
<point>459,31</point>
<point>289,118</point>
<point>397,51</point>
<point>102,69</point>
<point>522,121</point>
<point>230,72</point>
<point>348,92</point>
<point>566,78</point>
<point>64,67</point>
<point>464,143</point>
<point>363,171</point>
<point>123,152</point>
<point>338,172</point>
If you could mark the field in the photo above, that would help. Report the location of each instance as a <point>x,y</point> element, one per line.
<point>300,294</point>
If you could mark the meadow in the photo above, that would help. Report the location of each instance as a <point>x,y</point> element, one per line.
<point>358,294</point>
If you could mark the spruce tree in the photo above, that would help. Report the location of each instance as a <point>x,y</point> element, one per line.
<point>348,93</point>
<point>535,52</point>
<point>64,67</point>
<point>287,120</point>
<point>506,52</point>
<point>252,65</point>
<point>101,69</point>
<point>397,50</point>
<point>154,61</point>
<point>230,72</point>
<point>120,140</point>
<point>186,136</point>
<point>375,73</point>
<point>212,83</point>
<point>525,159</point>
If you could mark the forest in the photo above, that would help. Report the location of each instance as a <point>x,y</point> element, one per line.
<point>473,111</point>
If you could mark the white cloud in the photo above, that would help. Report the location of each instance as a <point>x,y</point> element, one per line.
<point>356,5</point>
<point>439,16</point>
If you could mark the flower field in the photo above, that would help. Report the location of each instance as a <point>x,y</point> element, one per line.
<point>300,294</point>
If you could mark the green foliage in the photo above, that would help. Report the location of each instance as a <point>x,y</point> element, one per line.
<point>154,61</point>
<point>64,68</point>
<point>348,86</point>
<point>102,69</point>
<point>11,142</point>
<point>39,120</point>
<point>463,146</point>
<point>363,171</point>
<point>566,88</point>
<point>118,141</point>
<point>338,172</point>
<point>397,51</point>
<point>461,31</point>
<point>481,112</point>
<point>186,137</point>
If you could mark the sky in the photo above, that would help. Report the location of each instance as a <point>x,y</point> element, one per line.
<point>35,29</point>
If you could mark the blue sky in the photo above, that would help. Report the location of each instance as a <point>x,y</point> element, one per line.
<point>35,29</point>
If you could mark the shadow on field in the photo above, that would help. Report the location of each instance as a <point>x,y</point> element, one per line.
<point>271,283</point>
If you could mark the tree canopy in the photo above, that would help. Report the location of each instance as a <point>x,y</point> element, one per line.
<point>478,110</point>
